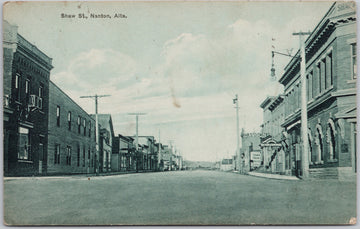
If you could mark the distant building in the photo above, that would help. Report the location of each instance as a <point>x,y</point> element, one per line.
<point>166,158</point>
<point>123,157</point>
<point>26,72</point>
<point>226,165</point>
<point>250,142</point>
<point>71,147</point>
<point>149,153</point>
<point>106,136</point>
<point>275,158</point>
<point>331,93</point>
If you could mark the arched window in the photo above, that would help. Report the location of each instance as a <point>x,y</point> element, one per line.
<point>319,144</point>
<point>330,138</point>
<point>310,146</point>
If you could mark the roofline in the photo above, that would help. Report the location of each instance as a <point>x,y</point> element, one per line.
<point>51,82</point>
<point>295,58</point>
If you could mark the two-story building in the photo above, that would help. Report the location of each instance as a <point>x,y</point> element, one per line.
<point>26,72</point>
<point>72,144</point>
<point>331,95</point>
<point>275,158</point>
<point>106,136</point>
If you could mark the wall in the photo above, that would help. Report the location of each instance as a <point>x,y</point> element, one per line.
<point>62,136</point>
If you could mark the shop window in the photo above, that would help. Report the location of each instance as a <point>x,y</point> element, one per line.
<point>24,150</point>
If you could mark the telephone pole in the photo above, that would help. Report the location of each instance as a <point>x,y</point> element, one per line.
<point>137,127</point>
<point>304,127</point>
<point>236,102</point>
<point>159,156</point>
<point>96,128</point>
<point>137,136</point>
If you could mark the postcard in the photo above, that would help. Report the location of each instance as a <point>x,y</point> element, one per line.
<point>179,113</point>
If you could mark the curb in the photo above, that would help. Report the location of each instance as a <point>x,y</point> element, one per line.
<point>273,176</point>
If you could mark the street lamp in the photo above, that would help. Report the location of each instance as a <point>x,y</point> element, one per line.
<point>272,70</point>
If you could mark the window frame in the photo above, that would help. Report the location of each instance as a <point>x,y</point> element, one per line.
<point>69,120</point>
<point>58,110</point>
<point>353,63</point>
<point>57,154</point>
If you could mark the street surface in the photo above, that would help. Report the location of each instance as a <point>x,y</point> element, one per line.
<point>178,197</point>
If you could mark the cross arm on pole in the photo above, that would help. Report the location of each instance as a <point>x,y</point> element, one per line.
<point>301,33</point>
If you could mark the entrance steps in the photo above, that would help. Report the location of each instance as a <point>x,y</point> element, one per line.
<point>324,173</point>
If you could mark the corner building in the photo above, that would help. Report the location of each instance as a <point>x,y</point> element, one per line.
<point>26,72</point>
<point>331,95</point>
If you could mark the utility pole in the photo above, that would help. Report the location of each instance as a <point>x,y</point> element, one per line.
<point>137,134</point>
<point>159,156</point>
<point>97,139</point>
<point>236,102</point>
<point>304,127</point>
<point>171,152</point>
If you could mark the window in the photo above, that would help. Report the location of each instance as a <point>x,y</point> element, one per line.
<point>17,86</point>
<point>79,123</point>
<point>41,90</point>
<point>353,60</point>
<point>68,155</point>
<point>83,158</point>
<point>27,86</point>
<point>58,115</point>
<point>314,85</point>
<point>57,154</point>
<point>78,156</point>
<point>319,79</point>
<point>322,76</point>
<point>309,89</point>
<point>329,72</point>
<point>69,120</point>
<point>89,129</point>
<point>17,81</point>
<point>84,124</point>
<point>24,144</point>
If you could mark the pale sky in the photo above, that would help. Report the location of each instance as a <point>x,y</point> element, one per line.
<point>181,63</point>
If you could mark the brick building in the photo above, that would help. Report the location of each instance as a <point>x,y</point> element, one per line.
<point>71,147</point>
<point>331,94</point>
<point>26,72</point>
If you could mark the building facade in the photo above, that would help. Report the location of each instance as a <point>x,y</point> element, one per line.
<point>71,147</point>
<point>26,72</point>
<point>106,136</point>
<point>331,95</point>
<point>250,143</point>
<point>275,158</point>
